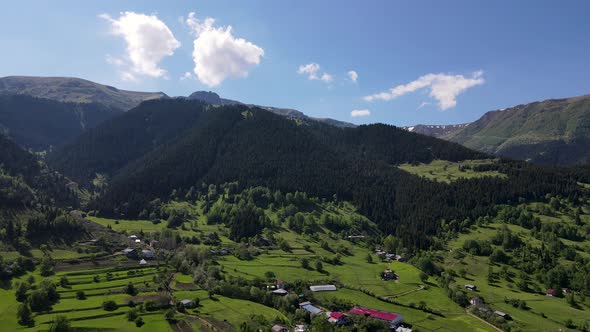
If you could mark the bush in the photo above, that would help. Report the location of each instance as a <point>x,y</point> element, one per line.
<point>80,295</point>
<point>110,305</point>
<point>139,322</point>
<point>132,315</point>
<point>60,324</point>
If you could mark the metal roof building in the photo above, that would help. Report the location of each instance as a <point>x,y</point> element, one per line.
<point>322,288</point>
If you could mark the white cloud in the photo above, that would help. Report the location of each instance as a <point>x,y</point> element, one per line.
<point>359,113</point>
<point>312,70</point>
<point>327,78</point>
<point>218,55</point>
<point>148,41</point>
<point>423,104</point>
<point>443,87</point>
<point>353,75</point>
<point>186,76</point>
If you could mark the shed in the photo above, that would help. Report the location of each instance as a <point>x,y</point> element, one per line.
<point>307,306</point>
<point>280,291</point>
<point>322,288</point>
<point>476,301</point>
<point>502,314</point>
<point>280,328</point>
<point>471,287</point>
<point>187,303</point>
<point>147,253</point>
<point>300,328</point>
<point>130,252</point>
<point>143,262</point>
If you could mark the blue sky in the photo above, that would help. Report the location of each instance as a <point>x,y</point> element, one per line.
<point>446,61</point>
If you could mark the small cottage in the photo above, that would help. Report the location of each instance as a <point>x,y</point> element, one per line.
<point>470,287</point>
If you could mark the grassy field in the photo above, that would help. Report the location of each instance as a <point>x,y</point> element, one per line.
<point>354,272</point>
<point>544,313</point>
<point>447,171</point>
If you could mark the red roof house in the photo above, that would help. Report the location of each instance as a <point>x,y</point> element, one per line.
<point>394,318</point>
<point>551,292</point>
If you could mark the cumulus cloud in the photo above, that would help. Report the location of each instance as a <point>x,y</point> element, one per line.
<point>443,87</point>
<point>218,55</point>
<point>148,41</point>
<point>186,76</point>
<point>312,70</point>
<point>360,113</point>
<point>353,75</point>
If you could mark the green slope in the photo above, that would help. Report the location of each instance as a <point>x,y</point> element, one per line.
<point>555,131</point>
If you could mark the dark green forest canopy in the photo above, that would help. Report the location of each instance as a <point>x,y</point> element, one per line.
<point>39,124</point>
<point>186,143</point>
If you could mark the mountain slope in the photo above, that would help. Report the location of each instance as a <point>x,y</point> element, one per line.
<point>438,131</point>
<point>25,182</point>
<point>112,145</point>
<point>255,147</point>
<point>554,132</point>
<point>213,98</point>
<point>76,90</point>
<point>42,123</point>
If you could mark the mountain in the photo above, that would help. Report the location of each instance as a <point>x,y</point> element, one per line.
<point>210,97</point>
<point>550,132</point>
<point>40,124</point>
<point>205,144</point>
<point>438,131</point>
<point>213,98</point>
<point>113,144</point>
<point>76,90</point>
<point>26,183</point>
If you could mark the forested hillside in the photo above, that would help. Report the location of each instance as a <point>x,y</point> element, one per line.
<point>256,147</point>
<point>40,124</point>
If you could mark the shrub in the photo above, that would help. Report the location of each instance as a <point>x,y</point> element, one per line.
<point>110,305</point>
<point>139,322</point>
<point>60,324</point>
<point>132,315</point>
<point>80,295</point>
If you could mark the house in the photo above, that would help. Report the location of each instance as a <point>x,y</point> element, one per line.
<point>403,329</point>
<point>147,253</point>
<point>566,290</point>
<point>280,284</point>
<point>133,237</point>
<point>472,288</point>
<point>280,292</point>
<point>188,303</point>
<point>476,301</point>
<point>322,288</point>
<point>337,318</point>
<point>307,306</point>
<point>143,262</point>
<point>137,241</point>
<point>130,252</point>
<point>223,251</point>
<point>388,275</point>
<point>394,319</point>
<point>400,259</point>
<point>280,328</point>
<point>503,315</point>
<point>300,328</point>
<point>551,292</point>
